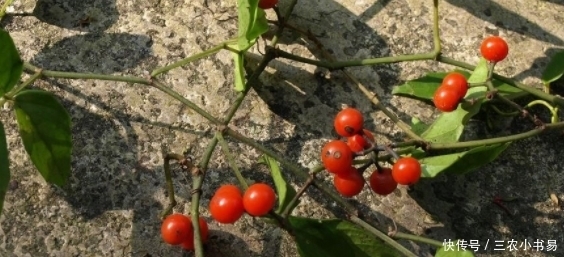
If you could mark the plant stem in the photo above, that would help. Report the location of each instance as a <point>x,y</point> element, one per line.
<point>436,34</point>
<point>333,65</point>
<point>498,140</point>
<point>198,178</point>
<point>296,197</point>
<point>78,75</point>
<point>168,179</point>
<point>194,57</point>
<point>491,88</point>
<point>231,160</point>
<point>382,236</point>
<point>415,238</point>
<point>556,100</point>
<point>23,85</point>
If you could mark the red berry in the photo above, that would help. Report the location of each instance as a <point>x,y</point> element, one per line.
<point>337,157</point>
<point>360,141</point>
<point>188,244</point>
<point>446,99</point>
<point>456,82</point>
<point>176,228</point>
<point>349,185</point>
<point>259,199</point>
<point>406,171</point>
<point>382,182</point>
<point>494,49</point>
<point>226,206</point>
<point>349,122</point>
<point>267,4</point>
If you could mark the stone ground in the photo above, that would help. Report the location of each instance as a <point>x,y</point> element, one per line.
<point>119,129</point>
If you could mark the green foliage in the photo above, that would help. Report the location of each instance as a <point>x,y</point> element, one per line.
<point>252,23</point>
<point>45,129</point>
<point>4,166</point>
<point>336,238</point>
<point>417,126</point>
<point>424,88</point>
<point>463,162</point>
<point>284,191</point>
<point>448,127</point>
<point>11,65</point>
<point>554,69</point>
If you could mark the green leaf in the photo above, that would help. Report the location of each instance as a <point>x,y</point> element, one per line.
<point>480,73</point>
<point>417,126</point>
<point>4,167</point>
<point>554,69</point>
<point>423,88</point>
<point>45,129</point>
<point>453,250</point>
<point>11,65</point>
<point>338,238</point>
<point>252,23</point>
<point>463,162</point>
<point>239,71</point>
<point>284,191</point>
<point>448,127</point>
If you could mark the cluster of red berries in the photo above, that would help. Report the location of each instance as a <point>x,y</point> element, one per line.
<point>455,86</point>
<point>177,229</point>
<point>337,157</point>
<point>228,204</point>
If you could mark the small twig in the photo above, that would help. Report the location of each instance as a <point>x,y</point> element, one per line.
<point>415,238</point>
<point>296,197</point>
<point>231,160</point>
<point>516,106</point>
<point>168,178</point>
<point>198,173</point>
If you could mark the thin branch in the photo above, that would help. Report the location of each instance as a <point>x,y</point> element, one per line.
<point>231,160</point>
<point>415,238</point>
<point>198,174</point>
<point>296,197</point>
<point>195,57</point>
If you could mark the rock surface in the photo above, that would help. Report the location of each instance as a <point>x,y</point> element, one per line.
<point>117,187</point>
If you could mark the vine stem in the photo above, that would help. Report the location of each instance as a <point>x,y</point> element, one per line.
<point>334,65</point>
<point>14,91</point>
<point>505,139</point>
<point>168,178</point>
<point>231,160</point>
<point>416,238</point>
<point>382,236</point>
<point>296,197</point>
<point>200,55</point>
<point>198,174</point>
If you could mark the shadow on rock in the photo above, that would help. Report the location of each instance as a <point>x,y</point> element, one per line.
<point>495,13</point>
<point>91,16</point>
<point>464,204</point>
<point>95,53</point>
